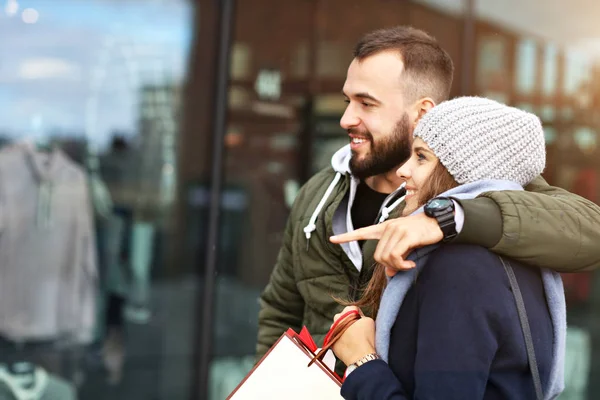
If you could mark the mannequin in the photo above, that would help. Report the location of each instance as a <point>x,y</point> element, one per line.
<point>45,207</point>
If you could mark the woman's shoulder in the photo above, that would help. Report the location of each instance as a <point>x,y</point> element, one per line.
<point>461,249</point>
<point>468,266</point>
<point>471,255</point>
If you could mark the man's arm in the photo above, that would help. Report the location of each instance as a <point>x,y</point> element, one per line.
<point>282,306</point>
<point>544,226</point>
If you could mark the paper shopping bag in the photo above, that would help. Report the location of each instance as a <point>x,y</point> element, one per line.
<point>284,373</point>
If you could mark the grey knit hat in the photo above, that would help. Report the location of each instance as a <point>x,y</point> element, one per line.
<point>480,139</point>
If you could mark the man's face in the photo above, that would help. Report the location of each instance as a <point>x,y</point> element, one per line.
<point>377,119</point>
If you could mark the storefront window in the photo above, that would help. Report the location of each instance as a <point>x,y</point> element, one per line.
<point>550,135</point>
<point>491,64</point>
<point>526,66</point>
<point>547,113</point>
<point>577,70</point>
<point>90,103</point>
<point>550,73</point>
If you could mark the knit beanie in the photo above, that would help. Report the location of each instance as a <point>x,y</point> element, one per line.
<point>480,139</point>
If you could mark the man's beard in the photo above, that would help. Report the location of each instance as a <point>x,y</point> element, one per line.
<point>385,155</point>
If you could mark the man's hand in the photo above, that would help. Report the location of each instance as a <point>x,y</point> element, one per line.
<point>397,238</point>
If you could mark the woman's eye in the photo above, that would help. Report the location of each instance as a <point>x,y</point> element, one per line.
<point>420,157</point>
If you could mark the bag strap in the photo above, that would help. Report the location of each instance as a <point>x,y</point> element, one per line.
<point>533,366</point>
<point>335,332</point>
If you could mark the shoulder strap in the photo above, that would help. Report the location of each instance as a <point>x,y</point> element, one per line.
<point>533,366</point>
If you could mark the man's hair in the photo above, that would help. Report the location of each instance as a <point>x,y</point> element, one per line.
<point>428,69</point>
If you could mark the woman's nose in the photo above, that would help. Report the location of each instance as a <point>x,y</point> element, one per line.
<point>404,171</point>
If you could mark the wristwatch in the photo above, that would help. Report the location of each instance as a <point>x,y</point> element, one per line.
<point>361,361</point>
<point>442,209</point>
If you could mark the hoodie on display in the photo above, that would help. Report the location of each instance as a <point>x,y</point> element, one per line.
<point>47,247</point>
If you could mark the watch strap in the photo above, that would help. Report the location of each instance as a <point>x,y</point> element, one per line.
<point>365,359</point>
<point>447,224</point>
<point>445,219</point>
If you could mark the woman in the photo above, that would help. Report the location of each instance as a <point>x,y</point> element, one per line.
<point>449,328</point>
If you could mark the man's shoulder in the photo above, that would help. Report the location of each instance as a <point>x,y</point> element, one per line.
<point>325,175</point>
<point>316,185</point>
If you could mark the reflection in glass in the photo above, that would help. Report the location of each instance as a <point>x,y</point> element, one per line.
<point>550,69</point>
<point>549,134</point>
<point>491,67</point>
<point>585,138</point>
<point>577,71</point>
<point>547,113</point>
<point>526,65</point>
<point>567,113</point>
<point>96,85</point>
<point>527,107</point>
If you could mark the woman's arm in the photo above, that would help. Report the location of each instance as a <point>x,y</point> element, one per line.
<point>373,380</point>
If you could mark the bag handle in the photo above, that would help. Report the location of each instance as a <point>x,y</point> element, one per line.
<point>533,366</point>
<point>335,332</point>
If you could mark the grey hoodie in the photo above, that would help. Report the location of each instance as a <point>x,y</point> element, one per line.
<point>47,247</point>
<point>342,219</point>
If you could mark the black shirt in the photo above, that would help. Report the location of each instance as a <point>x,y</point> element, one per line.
<point>366,206</point>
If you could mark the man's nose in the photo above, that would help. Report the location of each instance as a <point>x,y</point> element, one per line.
<point>349,119</point>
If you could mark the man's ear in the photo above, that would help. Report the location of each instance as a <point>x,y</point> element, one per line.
<point>423,106</point>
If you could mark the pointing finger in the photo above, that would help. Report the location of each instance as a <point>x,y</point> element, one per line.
<point>369,232</point>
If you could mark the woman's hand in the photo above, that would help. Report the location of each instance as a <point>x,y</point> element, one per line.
<point>357,341</point>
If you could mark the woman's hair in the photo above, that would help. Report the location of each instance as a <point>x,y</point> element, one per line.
<point>439,182</point>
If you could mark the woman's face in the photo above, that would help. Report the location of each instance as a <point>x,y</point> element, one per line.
<point>416,172</point>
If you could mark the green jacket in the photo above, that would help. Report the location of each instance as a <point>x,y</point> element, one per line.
<point>544,226</point>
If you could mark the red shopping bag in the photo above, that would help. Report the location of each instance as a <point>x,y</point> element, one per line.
<point>291,369</point>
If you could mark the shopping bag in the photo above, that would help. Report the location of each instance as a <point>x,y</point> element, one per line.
<point>293,368</point>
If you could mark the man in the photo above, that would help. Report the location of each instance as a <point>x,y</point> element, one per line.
<point>397,75</point>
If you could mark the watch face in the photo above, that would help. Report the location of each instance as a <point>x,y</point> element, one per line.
<point>439,204</point>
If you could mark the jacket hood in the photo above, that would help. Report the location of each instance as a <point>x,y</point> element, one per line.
<point>340,162</point>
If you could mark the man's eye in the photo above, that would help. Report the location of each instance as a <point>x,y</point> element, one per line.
<point>367,104</point>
